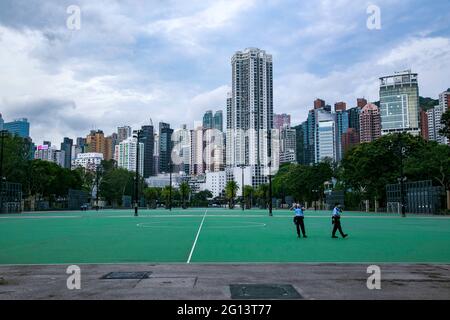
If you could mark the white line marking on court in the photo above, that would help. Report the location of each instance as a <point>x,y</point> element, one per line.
<point>196,238</point>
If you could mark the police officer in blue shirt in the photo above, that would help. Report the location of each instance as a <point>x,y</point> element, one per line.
<point>299,219</point>
<point>336,221</point>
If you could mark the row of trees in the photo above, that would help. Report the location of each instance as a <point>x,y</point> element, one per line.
<point>367,168</point>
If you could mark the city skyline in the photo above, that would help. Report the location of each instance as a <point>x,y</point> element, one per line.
<point>121,80</point>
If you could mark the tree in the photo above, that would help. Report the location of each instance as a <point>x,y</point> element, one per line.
<point>200,199</point>
<point>248,196</point>
<point>369,167</point>
<point>445,121</point>
<point>152,195</point>
<point>262,193</point>
<point>230,192</point>
<point>115,184</point>
<point>184,192</point>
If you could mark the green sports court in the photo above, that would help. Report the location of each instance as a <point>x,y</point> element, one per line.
<point>219,236</point>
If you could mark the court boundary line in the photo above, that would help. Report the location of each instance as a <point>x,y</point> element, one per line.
<point>196,237</point>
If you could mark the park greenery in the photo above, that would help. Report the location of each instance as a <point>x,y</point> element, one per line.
<point>363,174</point>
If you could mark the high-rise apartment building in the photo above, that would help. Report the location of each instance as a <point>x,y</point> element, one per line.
<point>349,139</point>
<point>250,115</point>
<point>218,120</point>
<point>281,120</point>
<point>127,155</point>
<point>19,127</point>
<point>361,102</point>
<point>96,142</point>
<point>370,123</point>
<point>208,120</point>
<point>342,124</point>
<point>123,133</point>
<point>319,104</point>
<point>399,103</point>
<point>66,146</point>
<point>147,139</point>
<point>288,145</point>
<point>340,106</point>
<point>165,147</point>
<point>325,135</point>
<point>423,120</point>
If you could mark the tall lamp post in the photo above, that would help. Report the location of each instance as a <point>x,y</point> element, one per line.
<point>170,183</point>
<point>97,185</point>
<point>402,178</point>
<point>242,166</point>
<point>3,134</point>
<point>269,151</point>
<point>137,135</point>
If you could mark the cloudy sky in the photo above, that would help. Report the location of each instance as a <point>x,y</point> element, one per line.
<point>169,60</point>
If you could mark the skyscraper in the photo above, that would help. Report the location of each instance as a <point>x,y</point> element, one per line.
<point>281,120</point>
<point>96,142</point>
<point>147,139</point>
<point>165,147</point>
<point>370,123</point>
<point>341,127</point>
<point>399,103</point>
<point>2,122</point>
<point>349,139</point>
<point>288,145</point>
<point>208,120</point>
<point>127,157</point>
<point>434,116</point>
<point>19,127</point>
<point>325,135</point>
<point>66,146</point>
<point>340,106</point>
<point>218,120</point>
<point>319,103</point>
<point>123,133</point>
<point>361,102</point>
<point>251,112</point>
<point>423,119</point>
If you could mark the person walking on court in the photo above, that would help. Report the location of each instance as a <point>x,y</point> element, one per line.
<point>336,221</point>
<point>299,219</point>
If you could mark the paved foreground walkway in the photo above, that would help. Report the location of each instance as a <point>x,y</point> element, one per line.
<point>198,281</point>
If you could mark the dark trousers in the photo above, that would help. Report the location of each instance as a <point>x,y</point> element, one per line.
<point>337,226</point>
<point>299,222</point>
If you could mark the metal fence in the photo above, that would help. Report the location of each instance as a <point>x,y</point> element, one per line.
<point>10,197</point>
<point>420,197</point>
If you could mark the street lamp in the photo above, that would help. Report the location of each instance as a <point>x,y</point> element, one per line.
<point>400,150</point>
<point>98,170</point>
<point>170,183</point>
<point>137,135</point>
<point>242,166</point>
<point>3,134</point>
<point>269,156</point>
<point>316,193</point>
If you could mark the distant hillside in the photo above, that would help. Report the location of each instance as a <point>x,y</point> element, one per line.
<point>427,103</point>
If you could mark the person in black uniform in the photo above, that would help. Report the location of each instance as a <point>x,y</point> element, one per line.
<point>336,221</point>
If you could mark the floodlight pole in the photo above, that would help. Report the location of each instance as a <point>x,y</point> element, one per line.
<point>242,166</point>
<point>170,184</point>
<point>269,149</point>
<point>97,178</point>
<point>3,134</point>
<point>136,181</point>
<point>402,193</point>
